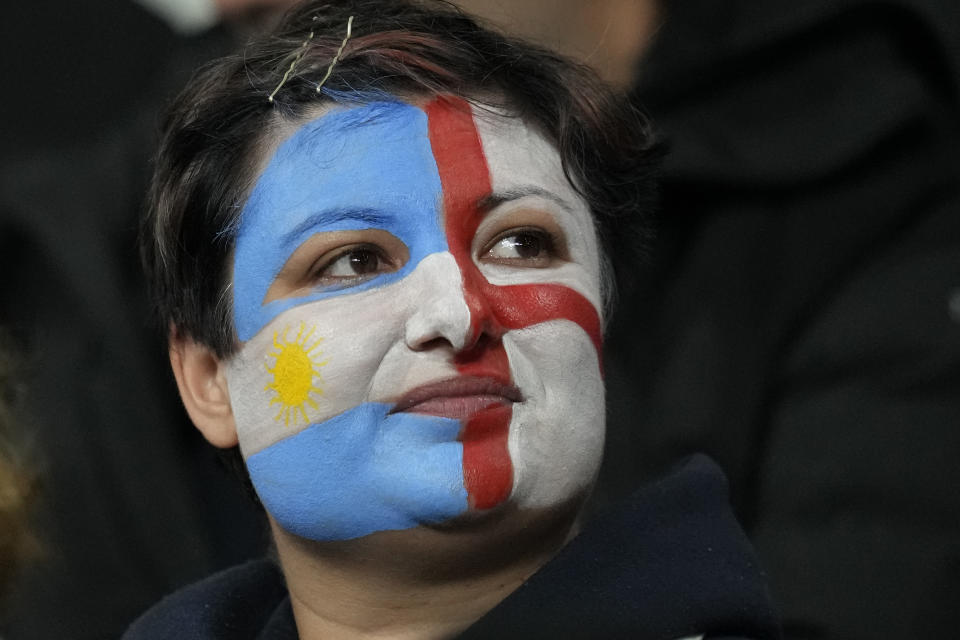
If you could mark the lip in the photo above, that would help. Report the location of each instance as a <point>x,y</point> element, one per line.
<point>459,397</point>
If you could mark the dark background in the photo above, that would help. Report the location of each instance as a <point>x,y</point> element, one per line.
<point>132,503</point>
<point>798,317</point>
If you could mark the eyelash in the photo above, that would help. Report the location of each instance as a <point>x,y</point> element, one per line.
<point>549,245</point>
<point>318,272</point>
<point>548,252</point>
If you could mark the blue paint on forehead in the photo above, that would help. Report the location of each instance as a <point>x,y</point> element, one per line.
<point>363,471</point>
<point>364,167</point>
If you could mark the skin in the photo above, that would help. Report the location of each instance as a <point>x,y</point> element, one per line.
<point>608,35</point>
<point>438,280</point>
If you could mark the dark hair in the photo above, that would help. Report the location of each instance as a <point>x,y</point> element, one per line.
<point>206,163</point>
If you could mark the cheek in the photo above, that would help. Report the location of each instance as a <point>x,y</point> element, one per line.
<point>338,465</point>
<point>308,365</point>
<point>362,471</point>
<point>556,436</point>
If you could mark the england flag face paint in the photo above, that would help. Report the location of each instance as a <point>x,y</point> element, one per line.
<point>417,293</point>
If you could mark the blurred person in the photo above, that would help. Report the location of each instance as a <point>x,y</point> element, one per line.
<point>798,318</point>
<point>101,59</point>
<point>608,35</point>
<point>132,500</point>
<point>191,17</point>
<point>18,482</point>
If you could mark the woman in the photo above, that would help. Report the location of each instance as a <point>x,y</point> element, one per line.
<point>379,239</point>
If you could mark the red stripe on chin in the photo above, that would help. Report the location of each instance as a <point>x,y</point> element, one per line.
<point>487,470</point>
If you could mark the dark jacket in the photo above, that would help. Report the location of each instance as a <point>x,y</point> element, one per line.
<point>800,318</point>
<point>671,564</point>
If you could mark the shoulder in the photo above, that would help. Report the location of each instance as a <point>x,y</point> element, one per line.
<point>236,603</point>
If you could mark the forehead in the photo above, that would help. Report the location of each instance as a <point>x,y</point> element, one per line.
<point>330,163</point>
<point>388,165</point>
<point>338,149</point>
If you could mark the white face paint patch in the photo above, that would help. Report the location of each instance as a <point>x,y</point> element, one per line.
<point>363,356</point>
<point>556,436</point>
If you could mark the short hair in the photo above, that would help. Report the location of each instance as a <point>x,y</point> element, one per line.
<point>207,158</point>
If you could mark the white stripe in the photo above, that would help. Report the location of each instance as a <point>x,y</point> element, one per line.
<point>556,434</point>
<point>364,345</point>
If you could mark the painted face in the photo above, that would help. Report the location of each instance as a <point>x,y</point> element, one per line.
<point>417,294</point>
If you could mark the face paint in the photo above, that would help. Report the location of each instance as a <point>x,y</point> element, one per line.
<point>417,291</point>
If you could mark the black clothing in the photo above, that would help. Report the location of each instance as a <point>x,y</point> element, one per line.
<point>800,318</point>
<point>672,564</point>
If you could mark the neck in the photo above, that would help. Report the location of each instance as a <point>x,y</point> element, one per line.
<point>420,583</point>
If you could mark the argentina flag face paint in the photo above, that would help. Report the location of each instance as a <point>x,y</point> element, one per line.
<point>417,294</point>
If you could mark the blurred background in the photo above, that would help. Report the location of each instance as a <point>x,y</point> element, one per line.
<point>797,318</point>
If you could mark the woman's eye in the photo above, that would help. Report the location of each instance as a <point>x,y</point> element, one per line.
<point>355,263</point>
<point>527,248</point>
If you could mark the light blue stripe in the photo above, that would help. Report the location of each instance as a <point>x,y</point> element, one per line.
<point>358,168</point>
<point>363,471</point>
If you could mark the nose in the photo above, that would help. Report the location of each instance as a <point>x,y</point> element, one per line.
<point>439,311</point>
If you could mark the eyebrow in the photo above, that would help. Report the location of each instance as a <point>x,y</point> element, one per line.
<point>494,200</point>
<point>370,217</point>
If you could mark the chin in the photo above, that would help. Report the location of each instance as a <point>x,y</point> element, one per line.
<point>464,546</point>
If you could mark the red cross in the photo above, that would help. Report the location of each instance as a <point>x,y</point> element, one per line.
<point>494,310</point>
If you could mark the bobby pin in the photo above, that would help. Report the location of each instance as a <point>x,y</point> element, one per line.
<point>336,58</point>
<point>293,63</point>
<point>302,52</point>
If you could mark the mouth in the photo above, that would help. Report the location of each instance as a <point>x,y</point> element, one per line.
<point>457,398</point>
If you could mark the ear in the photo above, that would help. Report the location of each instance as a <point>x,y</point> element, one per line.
<point>202,382</point>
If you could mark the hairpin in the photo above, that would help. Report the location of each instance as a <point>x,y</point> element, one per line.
<point>303,51</point>
<point>293,63</point>
<point>336,58</point>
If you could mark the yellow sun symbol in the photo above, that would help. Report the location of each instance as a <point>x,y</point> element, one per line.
<point>294,369</point>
